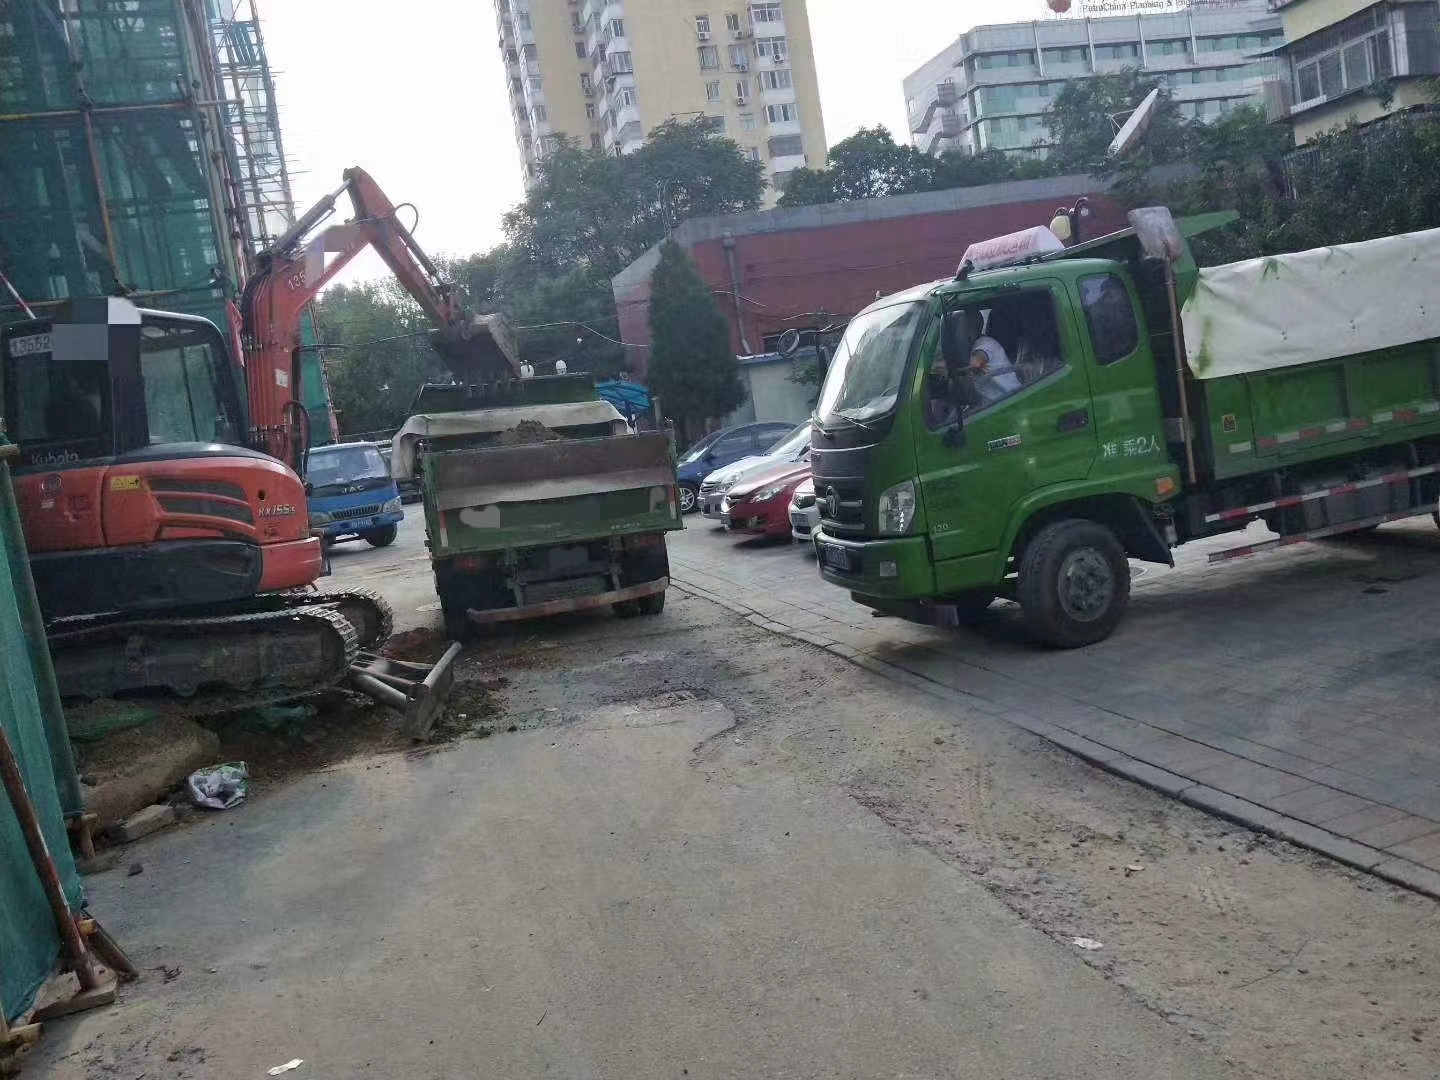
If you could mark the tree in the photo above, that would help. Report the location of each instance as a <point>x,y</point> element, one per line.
<point>693,369</point>
<point>1083,118</point>
<point>867,165</point>
<point>383,355</point>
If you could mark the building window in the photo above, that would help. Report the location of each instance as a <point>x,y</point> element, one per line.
<point>538,114</point>
<point>787,146</point>
<point>595,142</point>
<point>616,28</point>
<point>712,91</point>
<point>1023,58</point>
<point>1239,42</point>
<point>587,84</point>
<point>739,58</point>
<point>1168,47</point>
<point>742,90</point>
<point>714,125</point>
<point>580,50</point>
<point>625,98</point>
<point>576,26</point>
<point>754,152</point>
<point>1070,54</point>
<point>773,49</point>
<point>536,83</point>
<point>776,80</point>
<point>1350,56</point>
<point>765,13</point>
<point>702,25</point>
<point>589,110</point>
<point>747,121</point>
<point>781,180</point>
<point>529,52</point>
<point>621,63</point>
<point>781,114</point>
<point>1129,51</point>
<point>522,18</point>
<point>709,58</point>
<point>732,23</point>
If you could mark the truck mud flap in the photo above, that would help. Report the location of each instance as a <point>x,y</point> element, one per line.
<point>568,604</point>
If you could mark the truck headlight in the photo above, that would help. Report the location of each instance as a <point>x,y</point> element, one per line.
<point>319,517</point>
<point>391,505</point>
<point>897,509</point>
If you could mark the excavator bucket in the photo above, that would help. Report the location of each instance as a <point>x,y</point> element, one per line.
<point>481,351</point>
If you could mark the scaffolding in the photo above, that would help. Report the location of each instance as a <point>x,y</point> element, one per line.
<point>140,152</point>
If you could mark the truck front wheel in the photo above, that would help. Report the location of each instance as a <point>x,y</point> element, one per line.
<point>382,537</point>
<point>1074,584</point>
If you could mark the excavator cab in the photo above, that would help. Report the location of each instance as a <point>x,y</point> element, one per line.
<point>136,488</point>
<point>105,378</point>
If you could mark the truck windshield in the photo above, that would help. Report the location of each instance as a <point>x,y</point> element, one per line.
<point>346,465</point>
<point>865,375</point>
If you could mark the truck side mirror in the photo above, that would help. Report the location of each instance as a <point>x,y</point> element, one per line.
<point>955,341</point>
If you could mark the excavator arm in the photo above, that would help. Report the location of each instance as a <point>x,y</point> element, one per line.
<point>477,349</point>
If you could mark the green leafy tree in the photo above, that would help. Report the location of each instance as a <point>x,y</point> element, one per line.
<point>1083,118</point>
<point>380,354</point>
<point>867,165</point>
<point>693,369</point>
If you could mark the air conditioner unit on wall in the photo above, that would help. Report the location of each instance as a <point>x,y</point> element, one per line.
<point>741,99</point>
<point>702,35</point>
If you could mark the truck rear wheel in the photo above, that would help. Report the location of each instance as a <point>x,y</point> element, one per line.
<point>653,604</point>
<point>1074,584</point>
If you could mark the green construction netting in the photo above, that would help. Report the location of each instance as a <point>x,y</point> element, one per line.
<point>29,711</point>
<point>143,147</point>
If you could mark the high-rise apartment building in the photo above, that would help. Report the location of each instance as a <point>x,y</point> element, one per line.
<point>606,72</point>
<point>990,89</point>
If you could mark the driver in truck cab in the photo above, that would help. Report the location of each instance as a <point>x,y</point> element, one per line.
<point>994,375</point>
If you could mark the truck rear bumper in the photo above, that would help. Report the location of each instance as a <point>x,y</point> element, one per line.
<point>568,604</point>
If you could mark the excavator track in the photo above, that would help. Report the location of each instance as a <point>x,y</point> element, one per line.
<point>204,664</point>
<point>364,609</point>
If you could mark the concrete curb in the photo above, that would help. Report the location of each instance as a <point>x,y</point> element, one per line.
<point>1381,864</point>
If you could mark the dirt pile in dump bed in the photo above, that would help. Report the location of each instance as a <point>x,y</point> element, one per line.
<point>527,432</point>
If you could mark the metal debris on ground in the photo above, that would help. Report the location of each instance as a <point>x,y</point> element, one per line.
<point>293,1063</point>
<point>219,787</point>
<point>1133,868</point>
<point>1088,943</point>
<point>417,691</point>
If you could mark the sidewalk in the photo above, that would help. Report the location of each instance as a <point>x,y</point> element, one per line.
<point>1294,692</point>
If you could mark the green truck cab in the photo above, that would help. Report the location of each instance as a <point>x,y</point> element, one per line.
<point>1025,429</point>
<point>538,500</point>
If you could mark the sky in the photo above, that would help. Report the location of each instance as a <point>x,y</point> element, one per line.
<point>414,91</point>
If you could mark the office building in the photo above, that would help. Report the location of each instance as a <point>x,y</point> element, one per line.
<point>990,89</point>
<point>607,72</point>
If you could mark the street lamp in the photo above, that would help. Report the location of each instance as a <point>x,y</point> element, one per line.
<point>1066,224</point>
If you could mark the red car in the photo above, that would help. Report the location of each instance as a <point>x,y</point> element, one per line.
<point>760,504</point>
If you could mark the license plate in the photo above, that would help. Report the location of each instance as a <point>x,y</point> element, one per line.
<point>837,558</point>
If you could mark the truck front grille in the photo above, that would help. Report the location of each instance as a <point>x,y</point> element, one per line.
<point>368,510</point>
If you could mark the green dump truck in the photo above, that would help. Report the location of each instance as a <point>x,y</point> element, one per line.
<point>539,500</point>
<point>1022,429</point>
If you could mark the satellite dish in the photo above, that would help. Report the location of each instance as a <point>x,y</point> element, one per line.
<point>789,343</point>
<point>1133,129</point>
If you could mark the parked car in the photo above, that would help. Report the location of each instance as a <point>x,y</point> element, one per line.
<point>760,504</point>
<point>351,494</point>
<point>804,512</point>
<point>718,449</point>
<point>794,446</point>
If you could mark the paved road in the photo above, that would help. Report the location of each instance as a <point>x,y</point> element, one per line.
<point>1294,691</point>
<point>584,901</point>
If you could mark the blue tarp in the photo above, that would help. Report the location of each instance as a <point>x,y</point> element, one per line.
<point>631,399</point>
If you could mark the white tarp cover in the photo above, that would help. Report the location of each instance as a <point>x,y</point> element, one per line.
<point>1313,305</point>
<point>490,421</point>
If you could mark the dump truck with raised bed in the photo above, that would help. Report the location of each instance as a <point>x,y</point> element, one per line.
<point>539,500</point>
<point>1026,428</point>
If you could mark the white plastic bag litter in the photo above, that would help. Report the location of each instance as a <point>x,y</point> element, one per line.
<point>220,786</point>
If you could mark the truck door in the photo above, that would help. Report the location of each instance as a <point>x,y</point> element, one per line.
<point>1127,415</point>
<point>1032,428</point>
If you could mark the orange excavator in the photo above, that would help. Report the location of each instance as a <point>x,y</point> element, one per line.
<point>158,476</point>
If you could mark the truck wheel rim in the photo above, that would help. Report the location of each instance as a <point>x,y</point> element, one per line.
<point>1087,585</point>
<point>687,499</point>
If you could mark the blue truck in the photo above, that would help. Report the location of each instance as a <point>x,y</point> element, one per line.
<point>352,495</point>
